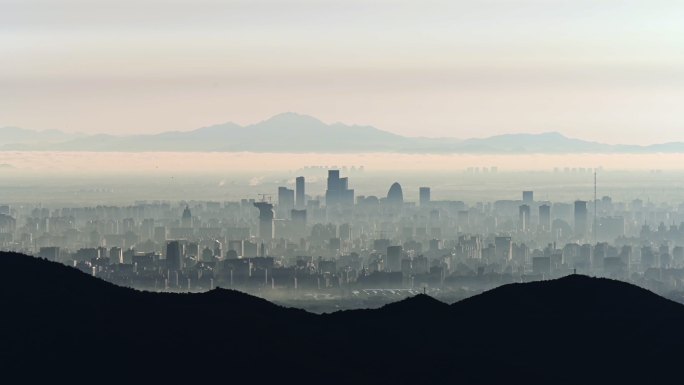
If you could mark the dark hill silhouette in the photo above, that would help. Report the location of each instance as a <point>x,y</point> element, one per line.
<point>573,293</point>
<point>58,323</point>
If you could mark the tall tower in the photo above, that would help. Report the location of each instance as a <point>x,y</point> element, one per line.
<point>186,219</point>
<point>286,201</point>
<point>581,219</point>
<point>593,227</point>
<point>338,191</point>
<point>395,196</point>
<point>174,255</point>
<point>266,215</point>
<point>524,218</point>
<point>528,197</point>
<point>299,193</point>
<point>424,195</point>
<point>545,217</point>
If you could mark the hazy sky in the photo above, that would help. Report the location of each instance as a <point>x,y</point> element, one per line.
<point>607,70</point>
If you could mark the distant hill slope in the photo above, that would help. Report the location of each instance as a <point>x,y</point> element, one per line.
<point>291,132</point>
<point>59,323</point>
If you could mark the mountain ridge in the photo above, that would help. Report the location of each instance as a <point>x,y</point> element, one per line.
<point>293,132</point>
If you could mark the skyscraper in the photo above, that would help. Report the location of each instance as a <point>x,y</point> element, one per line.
<point>338,192</point>
<point>298,222</point>
<point>503,248</point>
<point>545,217</point>
<point>580,219</point>
<point>286,201</point>
<point>265,220</point>
<point>393,258</point>
<point>300,194</point>
<point>528,197</point>
<point>186,220</point>
<point>174,255</point>
<point>395,196</point>
<point>424,194</point>
<point>524,218</point>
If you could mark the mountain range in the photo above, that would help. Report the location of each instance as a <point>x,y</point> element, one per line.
<point>291,132</point>
<point>60,324</point>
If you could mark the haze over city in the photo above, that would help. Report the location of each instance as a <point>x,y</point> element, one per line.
<point>342,192</point>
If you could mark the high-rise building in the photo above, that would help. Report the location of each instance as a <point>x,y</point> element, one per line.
<point>266,215</point>
<point>298,218</point>
<point>395,196</point>
<point>545,217</point>
<point>581,219</point>
<point>424,195</point>
<point>503,248</point>
<point>286,201</point>
<point>186,219</point>
<point>174,255</point>
<point>300,193</point>
<point>115,255</point>
<point>528,197</point>
<point>338,192</point>
<point>524,218</point>
<point>393,258</point>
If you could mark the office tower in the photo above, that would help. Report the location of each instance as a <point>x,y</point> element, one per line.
<point>174,255</point>
<point>186,219</point>
<point>300,193</point>
<point>545,217</point>
<point>298,222</point>
<point>266,215</point>
<point>581,219</point>
<point>395,196</point>
<point>503,249</point>
<point>286,201</point>
<point>333,180</point>
<point>393,258</point>
<point>528,197</point>
<point>424,194</point>
<point>524,218</point>
<point>115,255</point>
<point>338,192</point>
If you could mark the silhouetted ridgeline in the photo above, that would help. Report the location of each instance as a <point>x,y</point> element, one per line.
<point>291,132</point>
<point>60,323</point>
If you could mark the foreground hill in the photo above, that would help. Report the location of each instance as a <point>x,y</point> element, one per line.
<point>59,323</point>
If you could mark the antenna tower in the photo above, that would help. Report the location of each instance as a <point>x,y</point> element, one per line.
<point>595,207</point>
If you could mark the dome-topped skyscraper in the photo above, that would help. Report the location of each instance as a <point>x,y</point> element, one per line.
<point>395,196</point>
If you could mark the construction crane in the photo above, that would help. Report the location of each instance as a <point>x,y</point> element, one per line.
<point>265,198</point>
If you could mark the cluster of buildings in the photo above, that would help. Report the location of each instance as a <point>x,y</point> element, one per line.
<point>337,241</point>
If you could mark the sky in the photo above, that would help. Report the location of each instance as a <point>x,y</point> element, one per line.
<point>604,70</point>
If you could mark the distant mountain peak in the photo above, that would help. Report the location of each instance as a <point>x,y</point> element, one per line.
<point>292,118</point>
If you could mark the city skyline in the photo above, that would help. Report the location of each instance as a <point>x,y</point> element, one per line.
<point>342,191</point>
